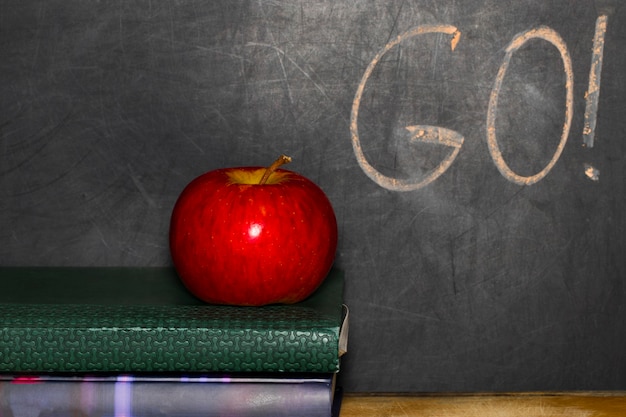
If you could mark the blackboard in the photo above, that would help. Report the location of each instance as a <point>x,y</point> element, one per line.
<point>473,151</point>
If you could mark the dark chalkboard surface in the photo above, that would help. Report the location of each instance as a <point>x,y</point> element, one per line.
<point>473,151</point>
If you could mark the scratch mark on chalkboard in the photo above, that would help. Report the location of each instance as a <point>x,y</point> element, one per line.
<point>286,78</point>
<point>453,267</point>
<point>121,27</point>
<point>44,137</point>
<point>504,203</point>
<point>193,142</point>
<point>40,15</point>
<point>490,214</point>
<point>395,21</point>
<point>55,179</point>
<point>554,259</point>
<point>280,53</point>
<point>100,234</point>
<point>140,187</point>
<point>295,64</point>
<point>403,312</point>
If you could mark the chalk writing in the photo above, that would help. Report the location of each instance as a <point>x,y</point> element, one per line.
<point>454,140</point>
<point>591,172</point>
<point>551,36</point>
<point>424,133</point>
<point>593,91</point>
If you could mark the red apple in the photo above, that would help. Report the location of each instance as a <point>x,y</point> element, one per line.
<point>253,236</point>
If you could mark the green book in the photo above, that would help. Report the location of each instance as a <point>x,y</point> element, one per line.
<point>133,320</point>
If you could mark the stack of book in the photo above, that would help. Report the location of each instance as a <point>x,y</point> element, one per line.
<point>134,342</point>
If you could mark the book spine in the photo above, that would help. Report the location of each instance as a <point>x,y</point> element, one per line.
<point>125,396</point>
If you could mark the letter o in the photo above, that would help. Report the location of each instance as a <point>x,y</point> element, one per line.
<point>553,37</point>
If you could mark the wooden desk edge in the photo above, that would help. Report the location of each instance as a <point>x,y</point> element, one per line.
<point>509,404</point>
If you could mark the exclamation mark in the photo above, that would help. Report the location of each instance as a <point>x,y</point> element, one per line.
<point>604,8</point>
<point>592,96</point>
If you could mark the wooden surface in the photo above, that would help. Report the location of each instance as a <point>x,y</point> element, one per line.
<point>580,404</point>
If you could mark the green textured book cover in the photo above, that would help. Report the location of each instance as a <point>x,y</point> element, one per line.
<point>144,320</point>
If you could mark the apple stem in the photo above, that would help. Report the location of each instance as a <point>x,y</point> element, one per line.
<point>282,160</point>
